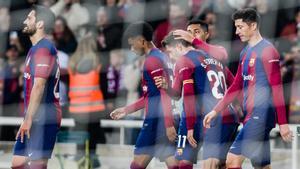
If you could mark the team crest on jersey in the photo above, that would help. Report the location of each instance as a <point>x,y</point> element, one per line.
<point>252,61</point>
<point>179,151</point>
<point>145,88</point>
<point>27,75</point>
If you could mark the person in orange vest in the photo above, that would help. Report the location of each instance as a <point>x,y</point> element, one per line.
<point>86,98</point>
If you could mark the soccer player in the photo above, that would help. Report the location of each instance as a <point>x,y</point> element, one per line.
<point>258,78</point>
<point>158,134</point>
<point>37,134</point>
<point>201,79</point>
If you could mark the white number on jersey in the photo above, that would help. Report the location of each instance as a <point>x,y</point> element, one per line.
<point>219,81</point>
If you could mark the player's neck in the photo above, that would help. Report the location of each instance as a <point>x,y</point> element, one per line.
<point>185,50</point>
<point>36,38</point>
<point>255,39</point>
<point>149,47</point>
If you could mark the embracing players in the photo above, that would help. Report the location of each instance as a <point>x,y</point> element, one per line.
<point>201,80</point>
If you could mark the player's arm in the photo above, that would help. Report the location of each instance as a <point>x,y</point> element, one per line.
<point>217,52</point>
<point>270,59</point>
<point>138,105</point>
<point>233,92</point>
<point>175,91</point>
<point>155,68</point>
<point>123,111</point>
<point>189,100</point>
<point>237,103</point>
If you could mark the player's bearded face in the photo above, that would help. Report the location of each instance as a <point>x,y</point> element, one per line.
<point>30,24</point>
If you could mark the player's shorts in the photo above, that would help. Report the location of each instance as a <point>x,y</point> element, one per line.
<point>40,144</point>
<point>253,142</point>
<point>218,139</point>
<point>184,150</point>
<point>152,140</point>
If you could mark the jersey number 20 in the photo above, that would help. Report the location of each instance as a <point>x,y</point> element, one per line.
<point>219,81</point>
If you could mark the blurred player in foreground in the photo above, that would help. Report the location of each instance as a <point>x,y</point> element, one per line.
<point>37,134</point>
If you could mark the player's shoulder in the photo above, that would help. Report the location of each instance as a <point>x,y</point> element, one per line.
<point>268,49</point>
<point>156,56</point>
<point>46,44</point>
<point>220,53</point>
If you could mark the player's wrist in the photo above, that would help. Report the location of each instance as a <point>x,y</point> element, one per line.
<point>193,39</point>
<point>28,118</point>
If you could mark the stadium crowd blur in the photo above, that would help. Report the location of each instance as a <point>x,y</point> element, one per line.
<point>119,69</point>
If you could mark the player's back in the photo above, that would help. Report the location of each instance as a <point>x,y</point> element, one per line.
<point>41,62</point>
<point>210,83</point>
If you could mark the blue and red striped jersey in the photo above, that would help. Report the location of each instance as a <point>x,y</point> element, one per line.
<point>157,102</point>
<point>258,78</point>
<point>203,80</point>
<point>42,62</point>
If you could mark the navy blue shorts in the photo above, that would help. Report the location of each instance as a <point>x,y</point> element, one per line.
<point>184,150</point>
<point>41,142</point>
<point>152,140</point>
<point>218,139</point>
<point>253,142</point>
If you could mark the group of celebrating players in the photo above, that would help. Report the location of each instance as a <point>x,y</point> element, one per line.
<point>211,112</point>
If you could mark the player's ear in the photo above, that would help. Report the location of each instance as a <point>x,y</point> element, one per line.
<point>179,46</point>
<point>40,24</point>
<point>254,26</point>
<point>206,35</point>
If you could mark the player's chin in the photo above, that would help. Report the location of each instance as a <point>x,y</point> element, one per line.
<point>243,39</point>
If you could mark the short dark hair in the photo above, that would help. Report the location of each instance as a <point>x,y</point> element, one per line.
<point>170,40</point>
<point>202,24</point>
<point>248,15</point>
<point>46,15</point>
<point>143,29</point>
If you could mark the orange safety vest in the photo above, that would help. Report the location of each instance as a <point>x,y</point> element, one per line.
<point>85,94</point>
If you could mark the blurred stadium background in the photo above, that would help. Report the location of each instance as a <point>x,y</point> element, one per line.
<point>105,20</point>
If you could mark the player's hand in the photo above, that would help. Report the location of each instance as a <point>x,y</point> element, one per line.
<point>286,133</point>
<point>118,113</point>
<point>190,137</point>
<point>160,82</point>
<point>24,129</point>
<point>181,34</point>
<point>171,133</point>
<point>208,118</point>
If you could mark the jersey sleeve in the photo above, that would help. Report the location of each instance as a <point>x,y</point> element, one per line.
<point>156,68</point>
<point>43,63</point>
<point>218,52</point>
<point>270,59</point>
<point>233,91</point>
<point>229,77</point>
<point>185,77</point>
<point>139,104</point>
